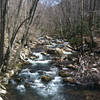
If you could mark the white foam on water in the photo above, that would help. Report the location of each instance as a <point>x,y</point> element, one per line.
<point>21,88</point>
<point>57,40</point>
<point>54,69</point>
<point>50,89</point>
<point>67,53</point>
<point>65,69</point>
<point>25,70</point>
<point>38,84</point>
<point>34,63</point>
<point>43,89</point>
<point>52,72</point>
<point>57,79</point>
<point>29,76</point>
<point>54,44</point>
<point>49,46</point>
<point>39,55</point>
<point>43,62</point>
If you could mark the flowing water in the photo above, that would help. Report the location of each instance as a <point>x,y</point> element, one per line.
<point>33,88</point>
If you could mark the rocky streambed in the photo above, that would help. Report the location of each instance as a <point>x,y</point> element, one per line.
<point>53,73</point>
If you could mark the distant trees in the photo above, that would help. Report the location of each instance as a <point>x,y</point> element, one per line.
<point>91,20</point>
<point>16,16</point>
<point>70,19</point>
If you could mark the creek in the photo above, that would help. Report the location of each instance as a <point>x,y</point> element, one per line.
<point>31,87</point>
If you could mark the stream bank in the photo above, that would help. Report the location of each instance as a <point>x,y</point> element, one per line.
<point>73,67</point>
<point>53,71</point>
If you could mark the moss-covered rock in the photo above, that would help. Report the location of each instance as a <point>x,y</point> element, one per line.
<point>70,66</point>
<point>69,80</point>
<point>63,73</point>
<point>46,78</point>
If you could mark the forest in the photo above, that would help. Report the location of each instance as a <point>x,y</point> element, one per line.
<point>49,49</point>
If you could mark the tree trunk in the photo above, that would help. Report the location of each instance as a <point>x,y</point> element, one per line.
<point>82,19</point>
<point>3,4</point>
<point>91,21</point>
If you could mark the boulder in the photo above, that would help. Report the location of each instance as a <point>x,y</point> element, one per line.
<point>69,80</point>
<point>48,38</point>
<point>64,73</point>
<point>24,63</point>
<point>46,78</point>
<point>50,51</point>
<point>59,51</point>
<point>1,98</point>
<point>72,66</point>
<point>18,79</point>
<point>10,73</point>
<point>33,57</point>
<point>44,53</point>
<point>26,51</point>
<point>24,54</point>
<point>2,86</point>
<point>32,45</point>
<point>41,42</point>
<point>95,70</point>
<point>27,85</point>
<point>5,80</point>
<point>68,50</point>
<point>2,91</point>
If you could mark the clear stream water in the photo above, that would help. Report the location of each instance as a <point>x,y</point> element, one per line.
<point>33,88</point>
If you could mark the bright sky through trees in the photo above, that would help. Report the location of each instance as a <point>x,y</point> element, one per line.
<point>50,2</point>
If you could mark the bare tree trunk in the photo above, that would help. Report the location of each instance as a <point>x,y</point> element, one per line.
<point>3,5</point>
<point>61,29</point>
<point>82,19</point>
<point>91,21</point>
<point>16,28</point>
<point>25,35</point>
<point>15,31</point>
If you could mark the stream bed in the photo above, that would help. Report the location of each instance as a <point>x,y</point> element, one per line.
<point>31,87</point>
